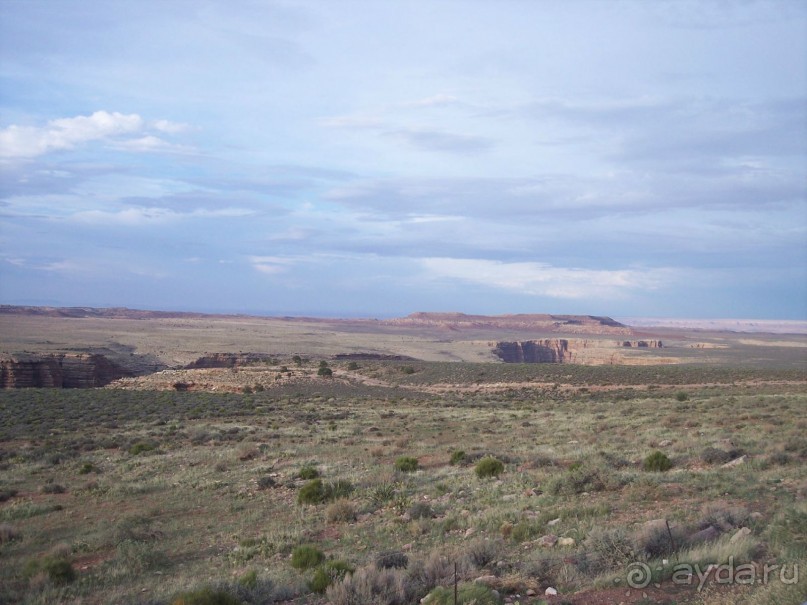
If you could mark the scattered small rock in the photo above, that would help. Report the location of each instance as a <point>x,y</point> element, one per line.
<point>470,532</point>
<point>531,592</point>
<point>737,461</point>
<point>705,535</point>
<point>489,581</point>
<point>553,522</point>
<point>740,534</point>
<point>548,541</point>
<point>550,591</point>
<point>665,443</point>
<point>566,542</point>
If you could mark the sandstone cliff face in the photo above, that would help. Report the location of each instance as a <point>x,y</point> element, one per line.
<point>550,350</point>
<point>561,350</point>
<point>227,360</point>
<point>68,371</point>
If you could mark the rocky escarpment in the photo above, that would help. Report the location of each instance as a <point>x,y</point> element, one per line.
<point>565,324</point>
<point>228,360</point>
<point>561,350</point>
<point>67,371</point>
<point>550,350</point>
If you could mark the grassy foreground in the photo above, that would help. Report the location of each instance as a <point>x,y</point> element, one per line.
<point>322,491</point>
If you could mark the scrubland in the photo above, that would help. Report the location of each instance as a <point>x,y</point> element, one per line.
<point>378,484</point>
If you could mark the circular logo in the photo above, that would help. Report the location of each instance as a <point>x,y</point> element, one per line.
<point>639,575</point>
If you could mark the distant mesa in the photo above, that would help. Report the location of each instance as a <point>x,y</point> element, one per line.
<point>582,324</point>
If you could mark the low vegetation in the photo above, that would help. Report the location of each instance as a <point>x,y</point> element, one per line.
<point>305,492</point>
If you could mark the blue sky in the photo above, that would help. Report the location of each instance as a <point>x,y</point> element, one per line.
<point>369,158</point>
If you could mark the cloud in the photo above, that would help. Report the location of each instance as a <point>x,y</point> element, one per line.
<point>539,279</point>
<point>433,140</point>
<point>67,133</point>
<point>351,122</point>
<point>438,100</point>
<point>145,216</point>
<point>271,265</point>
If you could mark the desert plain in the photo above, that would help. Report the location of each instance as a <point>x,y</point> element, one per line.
<point>510,459</point>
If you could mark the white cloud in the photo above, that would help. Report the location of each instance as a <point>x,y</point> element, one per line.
<point>539,279</point>
<point>169,127</point>
<point>355,121</point>
<point>67,133</point>
<point>139,216</point>
<point>271,265</point>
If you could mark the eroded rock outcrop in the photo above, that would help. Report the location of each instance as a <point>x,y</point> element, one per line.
<point>228,360</point>
<point>67,371</point>
<point>550,350</point>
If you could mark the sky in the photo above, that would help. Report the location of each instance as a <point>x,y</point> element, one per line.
<point>377,158</point>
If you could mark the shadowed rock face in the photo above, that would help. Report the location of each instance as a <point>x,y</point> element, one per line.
<point>68,371</point>
<point>227,360</point>
<point>550,350</point>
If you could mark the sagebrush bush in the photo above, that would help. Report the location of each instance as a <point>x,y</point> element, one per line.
<point>340,511</point>
<point>657,462</point>
<point>681,396</point>
<point>482,552</point>
<point>205,596</point>
<point>420,510</point>
<point>8,533</point>
<point>306,557</point>
<point>141,447</point>
<point>467,594</point>
<point>391,559</point>
<point>308,472</point>
<point>457,457</point>
<point>406,464</point>
<point>581,479</point>
<point>329,572</point>
<point>488,467</point>
<point>58,570</point>
<point>372,586</point>
<point>608,549</point>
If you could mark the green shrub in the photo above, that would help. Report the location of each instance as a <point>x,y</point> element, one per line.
<point>457,457</point>
<point>657,462</point>
<point>306,557</point>
<point>249,579</point>
<point>408,370</point>
<point>382,493</point>
<point>331,571</point>
<point>325,372</point>
<point>57,569</point>
<point>312,492</point>
<point>205,596</point>
<point>467,594</point>
<point>681,396</point>
<point>308,472</point>
<point>488,467</point>
<point>141,447</point>
<point>87,468</point>
<point>352,366</point>
<point>578,480</point>
<point>406,464</point>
